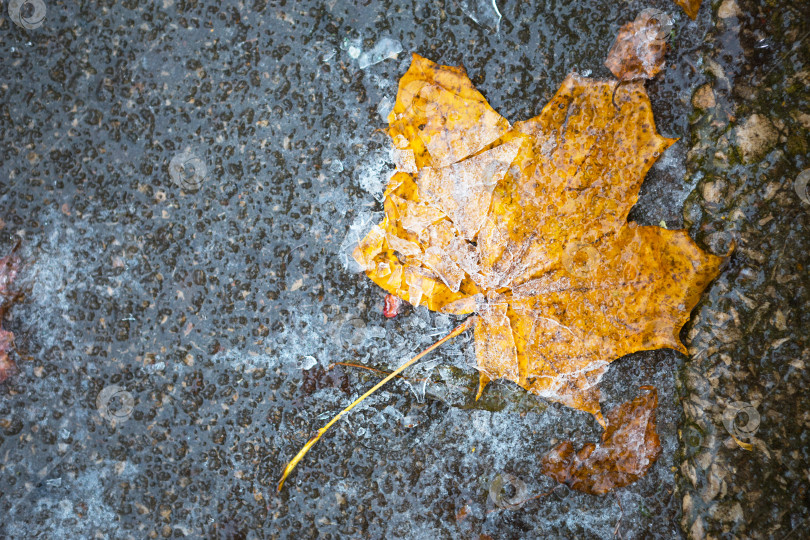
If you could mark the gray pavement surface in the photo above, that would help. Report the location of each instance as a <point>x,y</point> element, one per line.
<point>185,177</point>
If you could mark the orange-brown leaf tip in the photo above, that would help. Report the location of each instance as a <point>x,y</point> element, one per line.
<point>691,7</point>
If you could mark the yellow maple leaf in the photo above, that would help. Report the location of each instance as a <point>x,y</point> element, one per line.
<point>526,225</point>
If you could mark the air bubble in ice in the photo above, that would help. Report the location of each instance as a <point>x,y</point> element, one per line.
<point>307,363</point>
<point>352,46</point>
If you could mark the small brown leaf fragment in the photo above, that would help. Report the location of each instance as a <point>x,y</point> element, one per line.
<point>629,447</point>
<point>9,266</point>
<point>461,515</point>
<point>640,47</point>
<point>691,7</point>
<point>6,364</point>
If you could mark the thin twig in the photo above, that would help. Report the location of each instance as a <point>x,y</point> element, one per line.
<point>375,370</point>
<point>301,453</point>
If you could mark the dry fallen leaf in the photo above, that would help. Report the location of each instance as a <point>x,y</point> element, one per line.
<point>527,227</point>
<point>691,7</point>
<point>640,47</point>
<point>628,449</point>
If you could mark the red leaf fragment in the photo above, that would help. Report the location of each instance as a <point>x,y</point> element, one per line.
<point>629,447</point>
<point>392,307</point>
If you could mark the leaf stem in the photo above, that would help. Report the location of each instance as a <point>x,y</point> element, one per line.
<point>375,370</point>
<point>301,453</point>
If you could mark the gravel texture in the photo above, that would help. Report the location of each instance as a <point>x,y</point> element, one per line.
<point>747,372</point>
